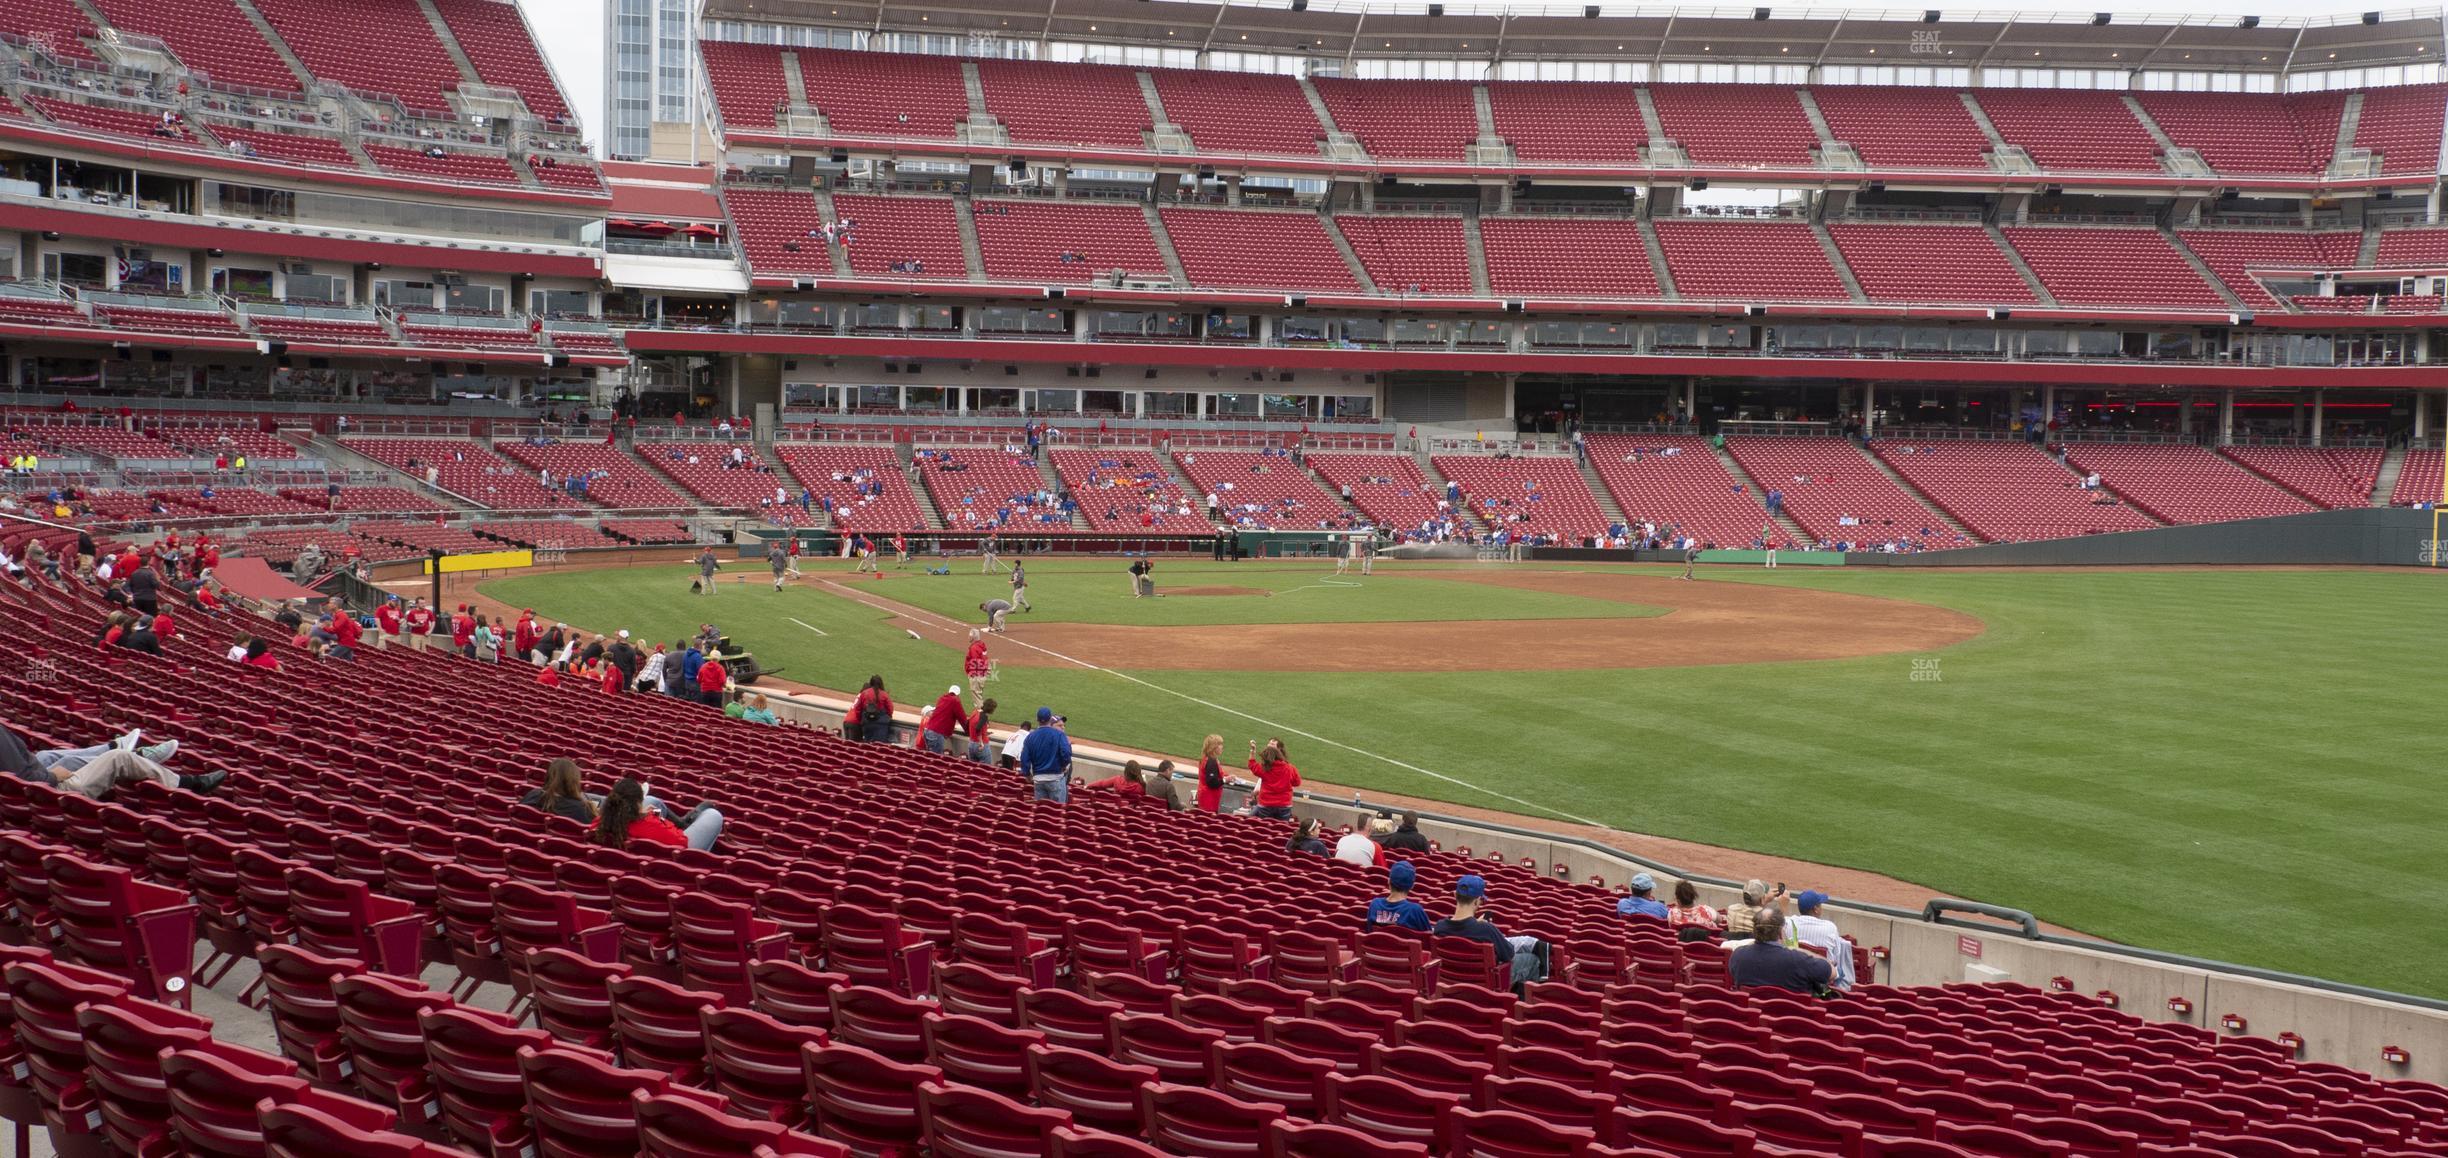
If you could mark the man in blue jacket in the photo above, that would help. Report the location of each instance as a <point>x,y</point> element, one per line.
<point>690,661</point>
<point>1045,758</point>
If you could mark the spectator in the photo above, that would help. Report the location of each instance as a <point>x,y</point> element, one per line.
<point>650,673</point>
<point>712,681</point>
<point>1014,746</point>
<point>1396,908</point>
<point>1766,963</point>
<point>562,793</point>
<point>981,738</point>
<point>463,632</point>
<point>1526,955</point>
<point>1359,846</point>
<point>626,816</point>
<point>419,623</point>
<point>680,674</point>
<point>144,590</point>
<point>947,719</point>
<point>1691,920</point>
<point>759,711</point>
<point>1305,838</point>
<point>1132,781</point>
<point>93,772</point>
<point>1641,903</point>
<point>1809,928</point>
<point>487,644</point>
<point>1740,915</point>
<point>259,654</point>
<point>1406,835</point>
<point>238,648</point>
<point>1160,786</point>
<point>870,717</point>
<point>1276,780</point>
<point>1211,775</point>
<point>1045,758</point>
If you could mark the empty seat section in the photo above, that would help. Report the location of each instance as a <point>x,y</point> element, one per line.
<point>2233,254</point>
<point>1677,482</point>
<point>2182,484</point>
<point>1029,240</point>
<point>58,25</point>
<point>1929,263</point>
<point>2072,130</point>
<point>705,470</point>
<point>366,500</point>
<point>2318,117</point>
<point>508,340</point>
<point>648,531</point>
<point>1127,490</point>
<point>777,230</point>
<point>1388,488</point>
<point>1756,261</point>
<point>1567,256</point>
<point>614,478</point>
<point>1736,124</point>
<point>1239,112</point>
<point>2403,248</point>
<point>2006,492</point>
<point>422,537</point>
<point>209,36</point>
<point>1066,104</point>
<point>481,168</point>
<point>1257,249</point>
<point>547,534</point>
<point>1836,494</point>
<point>1526,496</point>
<point>19,310</point>
<point>497,41</point>
<point>111,119</point>
<point>2418,479</point>
<point>199,323</point>
<point>978,488</point>
<point>866,485</point>
<point>2238,132</point>
<point>257,445</point>
<point>903,229</point>
<point>2336,477</point>
<point>1568,120</point>
<point>333,41</point>
<point>1403,120</point>
<point>2403,126</point>
<point>1260,490</point>
<point>298,147</point>
<point>1410,254</point>
<point>749,87</point>
<point>2111,266</point>
<point>875,94</point>
<point>1901,127</point>
<point>466,469</point>
<point>577,178</point>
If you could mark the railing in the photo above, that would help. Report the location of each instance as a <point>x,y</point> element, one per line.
<point>1948,434</point>
<point>2135,437</point>
<point>1777,428</point>
<point>413,427</point>
<point>1638,428</point>
<point>2327,440</point>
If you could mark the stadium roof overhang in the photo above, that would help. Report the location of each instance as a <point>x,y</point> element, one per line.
<point>1349,29</point>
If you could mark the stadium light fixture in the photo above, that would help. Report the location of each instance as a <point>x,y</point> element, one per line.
<point>2249,22</point>
<point>1589,12</point>
<point>2101,19</point>
<point>2371,18</point>
<point>1929,16</point>
<point>1759,14</point>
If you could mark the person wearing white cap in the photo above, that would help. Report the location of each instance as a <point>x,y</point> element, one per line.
<point>948,718</point>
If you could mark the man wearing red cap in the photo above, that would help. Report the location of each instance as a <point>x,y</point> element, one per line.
<point>524,637</point>
<point>463,632</point>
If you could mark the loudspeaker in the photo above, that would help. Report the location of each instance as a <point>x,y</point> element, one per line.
<point>1589,12</point>
<point>1096,371</point>
<point>1929,16</point>
<point>1151,372</point>
<point>1697,184</point>
<point>1513,306</point>
<point>1011,371</point>
<point>276,348</point>
<point>1439,10</point>
<point>1300,5</point>
<point>1057,293</point>
<point>2101,19</point>
<point>2249,22</point>
<point>2371,18</point>
<point>841,156</point>
<point>1759,14</point>
<point>559,361</point>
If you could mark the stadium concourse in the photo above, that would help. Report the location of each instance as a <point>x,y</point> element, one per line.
<point>819,982</point>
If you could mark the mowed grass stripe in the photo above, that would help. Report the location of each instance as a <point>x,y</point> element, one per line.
<point>2228,763</point>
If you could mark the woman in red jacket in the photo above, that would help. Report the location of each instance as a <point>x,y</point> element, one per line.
<point>1211,775</point>
<point>871,715</point>
<point>625,817</point>
<point>1276,780</point>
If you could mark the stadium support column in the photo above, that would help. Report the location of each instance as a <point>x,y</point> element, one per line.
<point>1869,422</point>
<point>2048,405</point>
<point>2226,418</point>
<point>2320,407</point>
<point>1691,401</point>
<point>2421,403</point>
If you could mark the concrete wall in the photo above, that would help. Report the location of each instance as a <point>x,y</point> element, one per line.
<point>2361,536</point>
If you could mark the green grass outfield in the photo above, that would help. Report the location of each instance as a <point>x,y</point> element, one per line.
<point>2236,764</point>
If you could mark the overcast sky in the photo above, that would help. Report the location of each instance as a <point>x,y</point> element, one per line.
<point>572,31</point>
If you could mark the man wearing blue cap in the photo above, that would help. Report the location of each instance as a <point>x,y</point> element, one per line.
<point>1045,758</point>
<point>1640,903</point>
<point>1527,955</point>
<point>1396,908</point>
<point>1765,962</point>
<point>1809,928</point>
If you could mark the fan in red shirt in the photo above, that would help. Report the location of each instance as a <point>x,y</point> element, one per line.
<point>163,628</point>
<point>711,680</point>
<point>208,599</point>
<point>346,631</point>
<point>626,818</point>
<point>949,715</point>
<point>524,636</point>
<point>387,621</point>
<point>419,621</point>
<point>1276,780</point>
<point>550,677</point>
<point>463,631</point>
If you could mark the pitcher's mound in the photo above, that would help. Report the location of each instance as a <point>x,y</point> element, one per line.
<point>1220,591</point>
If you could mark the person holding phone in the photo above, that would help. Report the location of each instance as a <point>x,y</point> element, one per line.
<point>1276,780</point>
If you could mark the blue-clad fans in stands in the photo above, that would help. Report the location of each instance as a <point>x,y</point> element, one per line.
<point>1527,955</point>
<point>1045,758</point>
<point>1396,907</point>
<point>1767,962</point>
<point>1641,903</point>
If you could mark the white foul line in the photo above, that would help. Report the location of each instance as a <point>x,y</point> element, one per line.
<point>1408,767</point>
<point>809,626</point>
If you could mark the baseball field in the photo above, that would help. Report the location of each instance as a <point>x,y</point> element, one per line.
<point>2237,764</point>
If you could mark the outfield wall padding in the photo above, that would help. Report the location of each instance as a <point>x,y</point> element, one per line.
<point>2356,537</point>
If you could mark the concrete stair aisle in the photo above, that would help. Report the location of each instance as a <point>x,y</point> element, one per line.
<point>1054,486</point>
<point>2150,126</point>
<point>1331,490</point>
<point>1818,119</point>
<point>336,452</point>
<point>1483,111</point>
<point>1463,515</point>
<point>1657,259</point>
<point>2370,249</point>
<point>1836,260</point>
<point>905,452</point>
<point>1650,124</point>
<point>450,43</point>
<point>246,8</point>
<point>794,82</point>
<point>2384,486</point>
<point>1181,478</point>
<point>2201,267</point>
<point>2350,118</point>
<point>1784,522</point>
<point>1317,108</point>
<point>1598,489</point>
<point>1164,245</point>
<point>826,214</point>
<point>964,213</point>
<point>2110,485</point>
<point>976,88</point>
<point>1342,244</point>
<point>1920,496</point>
<point>1980,116</point>
<point>1476,247</point>
<point>2031,280</point>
